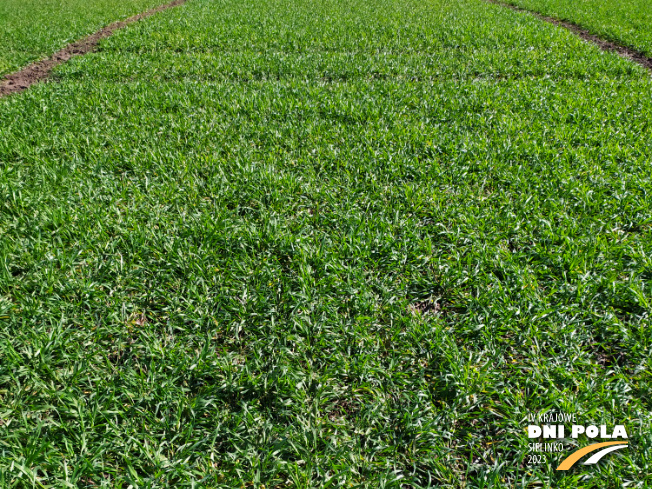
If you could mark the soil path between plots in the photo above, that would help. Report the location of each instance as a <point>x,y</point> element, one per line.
<point>40,70</point>
<point>625,52</point>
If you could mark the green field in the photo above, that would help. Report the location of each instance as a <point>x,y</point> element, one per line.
<point>628,22</point>
<point>33,29</point>
<point>349,243</point>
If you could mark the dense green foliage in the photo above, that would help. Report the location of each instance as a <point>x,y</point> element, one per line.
<point>32,29</point>
<point>628,22</point>
<point>324,244</point>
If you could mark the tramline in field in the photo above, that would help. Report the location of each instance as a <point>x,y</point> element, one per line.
<point>629,22</point>
<point>32,29</point>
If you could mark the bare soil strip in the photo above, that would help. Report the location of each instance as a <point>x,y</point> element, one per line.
<point>610,46</point>
<point>40,70</point>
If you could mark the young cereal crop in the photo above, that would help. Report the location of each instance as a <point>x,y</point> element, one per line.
<point>347,243</point>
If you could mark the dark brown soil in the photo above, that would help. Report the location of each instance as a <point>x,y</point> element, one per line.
<point>605,45</point>
<point>39,71</point>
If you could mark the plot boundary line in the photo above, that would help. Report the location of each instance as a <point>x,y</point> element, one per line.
<point>606,45</point>
<point>39,71</point>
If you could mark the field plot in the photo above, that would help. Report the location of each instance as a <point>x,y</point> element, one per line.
<point>325,244</point>
<point>628,22</point>
<point>32,29</point>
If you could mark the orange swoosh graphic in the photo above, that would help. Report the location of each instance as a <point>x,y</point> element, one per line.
<point>575,456</point>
